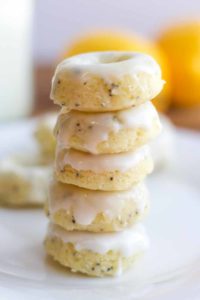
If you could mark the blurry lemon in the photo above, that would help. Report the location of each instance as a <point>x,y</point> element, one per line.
<point>181,44</point>
<point>111,40</point>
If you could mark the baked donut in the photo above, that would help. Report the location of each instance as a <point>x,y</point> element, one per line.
<point>103,254</point>
<point>108,172</point>
<point>75,208</point>
<point>106,81</point>
<point>23,182</point>
<point>109,132</point>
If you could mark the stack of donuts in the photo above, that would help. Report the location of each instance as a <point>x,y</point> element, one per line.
<point>97,197</point>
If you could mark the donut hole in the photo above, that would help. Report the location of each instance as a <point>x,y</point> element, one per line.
<point>109,59</point>
<point>97,58</point>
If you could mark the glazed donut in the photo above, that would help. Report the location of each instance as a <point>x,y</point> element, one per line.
<point>75,208</point>
<point>106,81</point>
<point>103,254</point>
<point>108,172</point>
<point>23,182</point>
<point>110,132</point>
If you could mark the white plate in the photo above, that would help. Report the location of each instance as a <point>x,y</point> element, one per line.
<point>169,270</point>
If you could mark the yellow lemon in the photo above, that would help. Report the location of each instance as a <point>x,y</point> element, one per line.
<point>112,40</point>
<point>181,44</point>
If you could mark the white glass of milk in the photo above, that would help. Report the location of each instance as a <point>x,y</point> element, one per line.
<point>16,87</point>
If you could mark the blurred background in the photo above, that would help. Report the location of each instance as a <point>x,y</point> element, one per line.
<point>36,34</point>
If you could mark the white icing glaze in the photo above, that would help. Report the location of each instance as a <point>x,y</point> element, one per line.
<point>94,128</point>
<point>86,204</point>
<point>103,162</point>
<point>37,176</point>
<point>109,65</point>
<point>131,241</point>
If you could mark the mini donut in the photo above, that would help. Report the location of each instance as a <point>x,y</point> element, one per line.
<point>102,254</point>
<point>106,81</point>
<point>110,132</point>
<point>107,172</point>
<point>23,182</point>
<point>75,208</point>
<point>43,134</point>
